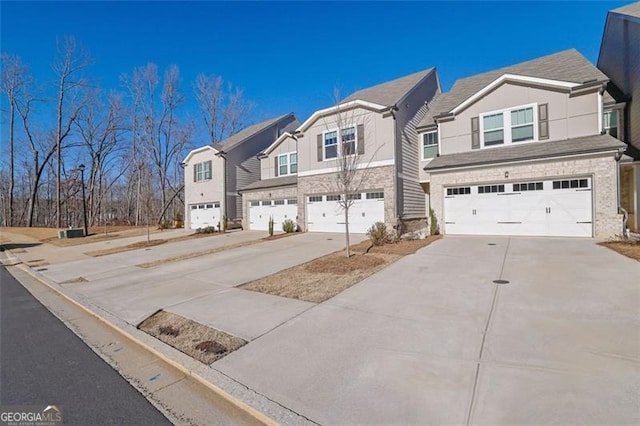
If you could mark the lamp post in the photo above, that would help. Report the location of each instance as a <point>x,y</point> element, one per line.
<point>84,200</point>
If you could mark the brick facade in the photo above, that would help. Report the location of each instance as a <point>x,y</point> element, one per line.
<point>375,179</point>
<point>602,170</point>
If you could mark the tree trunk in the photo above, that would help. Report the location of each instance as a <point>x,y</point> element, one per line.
<point>11,162</point>
<point>346,229</point>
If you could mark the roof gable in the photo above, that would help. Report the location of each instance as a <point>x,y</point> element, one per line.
<point>234,140</point>
<point>568,66</point>
<point>391,92</point>
<point>197,151</point>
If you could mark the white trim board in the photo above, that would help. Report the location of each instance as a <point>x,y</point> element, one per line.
<point>335,169</point>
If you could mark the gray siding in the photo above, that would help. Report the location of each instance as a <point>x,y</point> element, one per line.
<point>412,109</point>
<point>620,60</point>
<point>243,166</point>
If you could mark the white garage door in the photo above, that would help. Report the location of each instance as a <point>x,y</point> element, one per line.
<point>560,207</point>
<point>324,213</point>
<point>203,215</point>
<point>280,210</point>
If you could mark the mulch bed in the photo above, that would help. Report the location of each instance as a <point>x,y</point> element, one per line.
<point>630,248</point>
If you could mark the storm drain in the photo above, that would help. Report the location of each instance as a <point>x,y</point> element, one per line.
<point>500,282</point>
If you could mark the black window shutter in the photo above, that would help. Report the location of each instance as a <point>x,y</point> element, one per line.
<point>320,147</point>
<point>475,133</point>
<point>277,167</point>
<point>543,121</point>
<point>360,142</point>
<point>195,172</point>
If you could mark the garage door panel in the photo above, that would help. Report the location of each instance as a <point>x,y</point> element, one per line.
<point>324,213</point>
<point>549,208</point>
<point>279,210</point>
<point>204,215</point>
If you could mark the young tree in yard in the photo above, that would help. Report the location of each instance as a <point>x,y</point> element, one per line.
<point>351,170</point>
<point>224,111</point>
<point>68,66</point>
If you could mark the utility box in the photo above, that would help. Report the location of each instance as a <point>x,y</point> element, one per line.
<point>71,233</point>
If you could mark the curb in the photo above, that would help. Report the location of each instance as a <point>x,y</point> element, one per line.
<point>184,364</point>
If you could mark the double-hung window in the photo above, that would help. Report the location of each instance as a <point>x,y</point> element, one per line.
<point>611,123</point>
<point>493,129</point>
<point>331,145</point>
<point>522,124</point>
<point>508,126</point>
<point>202,171</point>
<point>429,145</point>
<point>288,164</point>
<point>347,144</point>
<point>348,137</point>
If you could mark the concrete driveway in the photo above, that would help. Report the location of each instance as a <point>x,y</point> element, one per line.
<point>201,288</point>
<point>432,340</point>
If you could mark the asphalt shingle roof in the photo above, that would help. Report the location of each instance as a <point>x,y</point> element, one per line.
<point>236,139</point>
<point>391,92</point>
<point>529,151</point>
<point>632,9</point>
<point>568,65</point>
<point>271,183</point>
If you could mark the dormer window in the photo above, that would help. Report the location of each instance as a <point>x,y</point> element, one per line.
<point>508,126</point>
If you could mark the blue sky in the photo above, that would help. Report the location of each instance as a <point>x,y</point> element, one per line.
<point>288,56</point>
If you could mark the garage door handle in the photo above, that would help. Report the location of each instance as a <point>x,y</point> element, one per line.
<point>584,222</point>
<point>510,223</point>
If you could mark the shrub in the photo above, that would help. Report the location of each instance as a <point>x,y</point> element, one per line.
<point>178,216</point>
<point>433,220</point>
<point>378,234</point>
<point>271,226</point>
<point>206,230</point>
<point>165,224</point>
<point>289,226</point>
<point>224,224</point>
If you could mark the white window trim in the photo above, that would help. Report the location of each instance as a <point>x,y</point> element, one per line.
<point>338,131</point>
<point>422,144</point>
<point>506,125</point>
<point>288,157</point>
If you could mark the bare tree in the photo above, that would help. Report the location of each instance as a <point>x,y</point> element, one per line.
<point>68,65</point>
<point>160,137</point>
<point>351,169</point>
<point>14,80</point>
<point>224,110</point>
<point>102,128</point>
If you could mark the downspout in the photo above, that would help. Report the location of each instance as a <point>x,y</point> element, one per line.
<point>392,111</point>
<point>294,135</point>
<point>625,214</point>
<point>223,155</point>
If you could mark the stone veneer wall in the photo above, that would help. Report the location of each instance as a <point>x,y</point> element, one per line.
<point>376,179</point>
<point>277,193</point>
<point>601,169</point>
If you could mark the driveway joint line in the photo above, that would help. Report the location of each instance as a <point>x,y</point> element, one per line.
<point>494,300</point>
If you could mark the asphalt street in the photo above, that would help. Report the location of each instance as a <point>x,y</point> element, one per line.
<point>43,362</point>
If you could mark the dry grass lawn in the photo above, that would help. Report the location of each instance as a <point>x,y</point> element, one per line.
<point>630,248</point>
<point>325,277</point>
<point>96,233</point>
<point>203,343</point>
